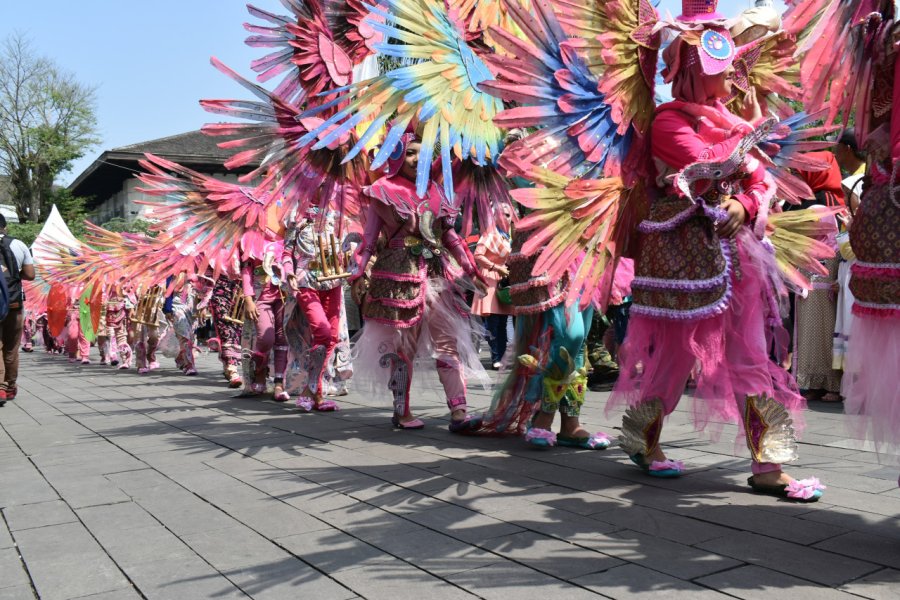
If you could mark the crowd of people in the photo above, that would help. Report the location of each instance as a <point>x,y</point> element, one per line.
<point>711,243</point>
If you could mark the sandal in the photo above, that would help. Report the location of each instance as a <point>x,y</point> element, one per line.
<point>281,396</point>
<point>803,490</point>
<point>541,438</point>
<point>305,404</point>
<point>257,388</point>
<point>598,441</point>
<point>414,424</point>
<point>468,424</point>
<point>326,406</point>
<point>664,469</point>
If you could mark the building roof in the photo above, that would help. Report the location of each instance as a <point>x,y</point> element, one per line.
<point>106,175</point>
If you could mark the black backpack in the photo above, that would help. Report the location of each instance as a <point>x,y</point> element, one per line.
<point>11,271</point>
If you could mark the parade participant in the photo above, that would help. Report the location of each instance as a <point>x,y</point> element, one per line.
<point>117,327</point>
<point>873,353</point>
<point>310,241</point>
<point>701,287</point>
<point>28,330</point>
<point>179,311</point>
<point>491,254</point>
<point>550,375</point>
<point>227,329</point>
<point>147,320</point>
<point>104,345</point>
<point>77,346</point>
<point>267,313</point>
<point>414,308</point>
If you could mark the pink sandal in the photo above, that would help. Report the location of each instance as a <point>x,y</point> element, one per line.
<point>281,396</point>
<point>305,404</point>
<point>414,424</point>
<point>326,406</point>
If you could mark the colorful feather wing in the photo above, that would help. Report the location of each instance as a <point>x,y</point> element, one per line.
<point>218,221</point>
<point>839,56</point>
<point>279,139</point>
<point>577,226</point>
<point>440,92</point>
<point>554,90</point>
<point>769,66</point>
<point>315,49</point>
<point>620,39</point>
<point>803,238</point>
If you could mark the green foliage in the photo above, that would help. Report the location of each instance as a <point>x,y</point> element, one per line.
<point>118,224</point>
<point>47,121</point>
<point>27,232</point>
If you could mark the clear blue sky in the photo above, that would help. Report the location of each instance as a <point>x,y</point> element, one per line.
<point>150,60</point>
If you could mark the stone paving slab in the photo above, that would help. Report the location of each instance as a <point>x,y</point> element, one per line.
<point>117,486</point>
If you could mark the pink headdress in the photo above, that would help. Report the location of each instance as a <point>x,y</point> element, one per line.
<point>398,155</point>
<point>710,43</point>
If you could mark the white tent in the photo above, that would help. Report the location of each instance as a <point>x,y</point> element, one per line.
<point>55,231</point>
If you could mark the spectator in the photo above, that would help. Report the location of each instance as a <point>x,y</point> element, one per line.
<point>17,265</point>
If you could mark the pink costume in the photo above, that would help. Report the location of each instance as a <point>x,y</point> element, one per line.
<point>117,330</point>
<point>413,291</point>
<point>147,337</point>
<point>77,346</point>
<point>873,353</point>
<point>701,300</point>
<point>269,329</point>
<point>319,301</point>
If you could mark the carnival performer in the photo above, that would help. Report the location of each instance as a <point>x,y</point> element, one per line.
<point>227,329</point>
<point>701,288</point>
<point>550,375</point>
<point>491,254</point>
<point>77,346</point>
<point>310,241</point>
<point>117,327</point>
<point>414,308</point>
<point>178,309</point>
<point>267,312</point>
<point>103,340</point>
<point>872,358</point>
<point>147,320</point>
<point>28,331</point>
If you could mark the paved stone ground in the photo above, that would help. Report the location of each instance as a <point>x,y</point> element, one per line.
<point>118,486</point>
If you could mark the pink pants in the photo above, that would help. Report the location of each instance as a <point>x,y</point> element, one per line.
<point>322,309</point>
<point>270,330</point>
<point>77,345</point>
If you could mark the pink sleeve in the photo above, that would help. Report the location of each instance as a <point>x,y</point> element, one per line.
<point>459,250</point>
<point>374,224</point>
<point>247,278</point>
<point>482,260</point>
<point>675,143</point>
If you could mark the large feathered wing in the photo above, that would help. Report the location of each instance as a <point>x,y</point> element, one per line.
<point>279,140</point>
<point>212,219</point>
<point>620,39</point>
<point>577,226</point>
<point>440,92</point>
<point>801,239</point>
<point>553,89</point>
<point>314,49</point>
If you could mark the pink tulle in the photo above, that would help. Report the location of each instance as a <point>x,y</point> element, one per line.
<point>804,489</point>
<point>728,353</point>
<point>872,395</point>
<point>378,338</point>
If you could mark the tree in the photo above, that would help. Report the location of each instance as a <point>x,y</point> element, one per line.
<point>47,120</point>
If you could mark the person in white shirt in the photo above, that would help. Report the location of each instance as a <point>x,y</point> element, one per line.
<point>17,265</point>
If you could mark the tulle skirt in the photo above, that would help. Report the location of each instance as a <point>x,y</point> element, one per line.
<point>446,332</point>
<point>728,354</point>
<point>870,385</point>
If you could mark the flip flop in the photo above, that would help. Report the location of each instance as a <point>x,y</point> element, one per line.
<point>305,404</point>
<point>326,406</point>
<point>802,490</point>
<point>414,424</point>
<point>598,441</point>
<point>666,469</point>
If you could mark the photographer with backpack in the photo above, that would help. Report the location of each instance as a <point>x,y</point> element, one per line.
<point>17,264</point>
